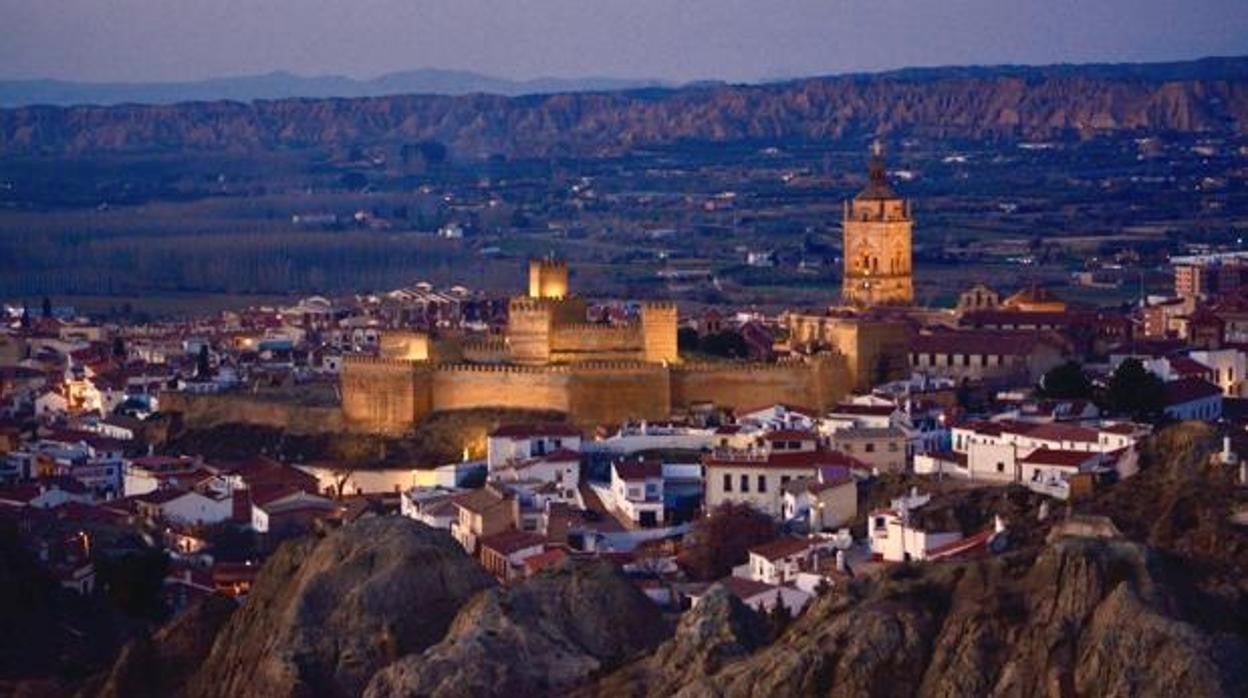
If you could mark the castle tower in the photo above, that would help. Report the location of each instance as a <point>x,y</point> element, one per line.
<point>877,256</point>
<point>658,332</point>
<point>548,278</point>
<point>529,327</point>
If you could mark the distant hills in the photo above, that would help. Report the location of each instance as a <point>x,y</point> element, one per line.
<point>1204,96</point>
<point>283,85</point>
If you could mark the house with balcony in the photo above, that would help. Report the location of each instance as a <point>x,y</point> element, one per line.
<point>758,475</point>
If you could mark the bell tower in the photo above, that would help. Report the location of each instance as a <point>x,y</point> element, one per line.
<point>877,256</point>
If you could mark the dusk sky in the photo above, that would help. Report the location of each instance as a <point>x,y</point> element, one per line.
<point>145,40</point>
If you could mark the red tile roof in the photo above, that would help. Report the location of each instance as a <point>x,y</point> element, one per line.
<point>1059,458</point>
<point>781,548</point>
<point>1187,390</point>
<point>509,542</point>
<point>529,431</point>
<point>638,470</point>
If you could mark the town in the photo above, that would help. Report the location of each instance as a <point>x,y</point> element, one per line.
<point>779,455</point>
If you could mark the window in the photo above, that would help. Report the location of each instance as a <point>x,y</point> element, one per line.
<point>869,447</point>
<point>784,480</point>
<point>892,446</point>
<point>745,483</point>
<point>727,482</point>
<point>1000,467</point>
<point>762,483</point>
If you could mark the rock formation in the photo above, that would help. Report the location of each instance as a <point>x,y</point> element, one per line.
<point>719,631</point>
<point>326,614</point>
<point>1206,96</point>
<point>1087,617</point>
<point>159,666</point>
<point>541,637</point>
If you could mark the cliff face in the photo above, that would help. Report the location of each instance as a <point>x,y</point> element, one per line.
<point>159,666</point>
<point>1088,617</point>
<point>982,103</point>
<point>326,614</point>
<point>542,637</point>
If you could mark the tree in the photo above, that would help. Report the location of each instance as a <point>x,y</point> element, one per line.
<point>135,581</point>
<point>687,339</point>
<point>726,344</point>
<point>778,618</point>
<point>1066,382</point>
<point>119,348</point>
<point>722,540</point>
<point>1134,390</point>
<point>203,367</point>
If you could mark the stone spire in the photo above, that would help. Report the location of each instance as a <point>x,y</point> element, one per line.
<point>877,186</point>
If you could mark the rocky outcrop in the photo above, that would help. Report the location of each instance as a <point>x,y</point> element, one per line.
<point>1086,617</point>
<point>973,103</point>
<point>719,631</point>
<point>159,666</point>
<point>541,637</point>
<point>326,614</point>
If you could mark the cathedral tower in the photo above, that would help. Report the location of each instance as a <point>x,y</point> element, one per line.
<point>877,227</point>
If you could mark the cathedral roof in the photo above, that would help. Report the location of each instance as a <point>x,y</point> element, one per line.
<point>877,187</point>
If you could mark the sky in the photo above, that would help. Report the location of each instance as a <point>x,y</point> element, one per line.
<point>677,40</point>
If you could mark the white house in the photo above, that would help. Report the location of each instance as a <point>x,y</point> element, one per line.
<point>992,451</point>
<point>757,475</point>
<point>1049,471</point>
<point>522,442</point>
<point>433,507</point>
<point>827,501</point>
<point>559,468</point>
<point>637,491</point>
<point>895,538</point>
<point>186,506</point>
<point>291,504</point>
<point>761,596</point>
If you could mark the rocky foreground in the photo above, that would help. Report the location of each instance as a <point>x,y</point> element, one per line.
<point>387,607</point>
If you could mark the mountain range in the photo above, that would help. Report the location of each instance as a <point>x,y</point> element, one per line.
<point>282,85</point>
<point>1209,96</point>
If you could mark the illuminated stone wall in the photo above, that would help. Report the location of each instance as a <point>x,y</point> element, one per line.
<point>548,278</point>
<point>815,383</point>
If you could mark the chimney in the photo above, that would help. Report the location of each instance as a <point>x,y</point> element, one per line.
<point>840,561</point>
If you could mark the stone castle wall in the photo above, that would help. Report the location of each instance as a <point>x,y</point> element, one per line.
<point>388,396</point>
<point>590,341</point>
<point>816,383</point>
<point>207,411</point>
<point>467,386</point>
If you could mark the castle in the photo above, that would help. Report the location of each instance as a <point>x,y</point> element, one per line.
<point>550,358</point>
<point>877,249</point>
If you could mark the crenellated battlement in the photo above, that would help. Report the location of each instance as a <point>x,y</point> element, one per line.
<point>379,361</point>
<point>530,305</point>
<point>629,328</point>
<point>552,359</point>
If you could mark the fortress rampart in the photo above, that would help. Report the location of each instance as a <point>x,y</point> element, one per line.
<point>389,395</point>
